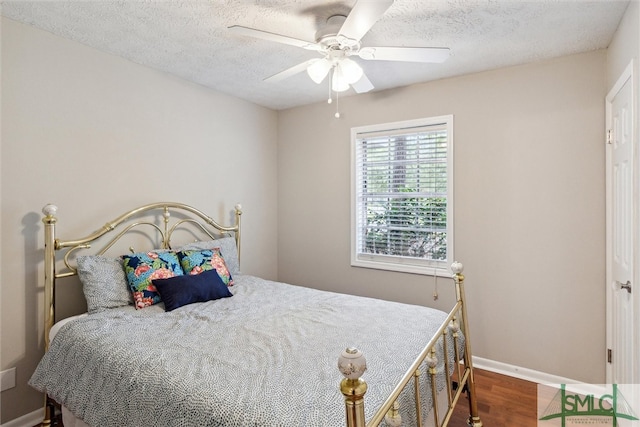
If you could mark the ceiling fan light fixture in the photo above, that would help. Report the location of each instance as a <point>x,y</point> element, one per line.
<point>338,82</point>
<point>319,69</point>
<point>350,71</point>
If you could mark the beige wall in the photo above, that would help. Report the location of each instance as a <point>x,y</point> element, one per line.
<point>529,200</point>
<point>98,135</point>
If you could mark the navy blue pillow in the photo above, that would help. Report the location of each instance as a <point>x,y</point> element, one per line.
<point>182,290</point>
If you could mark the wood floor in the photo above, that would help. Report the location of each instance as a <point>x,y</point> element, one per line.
<point>503,401</point>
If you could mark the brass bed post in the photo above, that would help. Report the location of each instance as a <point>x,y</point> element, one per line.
<point>352,365</point>
<point>238,209</point>
<point>49,221</point>
<point>458,278</point>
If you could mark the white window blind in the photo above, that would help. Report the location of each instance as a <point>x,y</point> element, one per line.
<point>402,195</point>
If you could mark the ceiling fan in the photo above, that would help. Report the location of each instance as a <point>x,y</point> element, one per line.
<point>339,40</point>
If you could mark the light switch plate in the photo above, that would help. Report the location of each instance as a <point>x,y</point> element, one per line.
<point>8,379</point>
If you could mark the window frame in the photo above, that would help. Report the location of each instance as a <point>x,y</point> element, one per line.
<point>401,263</point>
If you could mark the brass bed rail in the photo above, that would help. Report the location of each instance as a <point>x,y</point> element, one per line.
<point>352,365</point>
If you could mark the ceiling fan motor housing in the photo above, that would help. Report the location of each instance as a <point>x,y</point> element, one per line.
<point>329,36</point>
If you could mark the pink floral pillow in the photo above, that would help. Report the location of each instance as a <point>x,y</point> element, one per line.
<point>197,261</point>
<point>142,268</point>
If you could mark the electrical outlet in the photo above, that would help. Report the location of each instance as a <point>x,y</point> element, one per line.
<point>8,379</point>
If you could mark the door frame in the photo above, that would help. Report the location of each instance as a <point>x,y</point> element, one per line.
<point>629,74</point>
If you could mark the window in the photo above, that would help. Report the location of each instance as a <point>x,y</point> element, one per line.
<point>402,196</point>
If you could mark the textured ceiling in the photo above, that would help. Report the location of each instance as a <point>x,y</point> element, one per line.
<point>190,38</point>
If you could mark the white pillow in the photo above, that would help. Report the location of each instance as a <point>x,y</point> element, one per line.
<point>103,282</point>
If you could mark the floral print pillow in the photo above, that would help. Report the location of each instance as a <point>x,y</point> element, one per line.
<point>195,262</point>
<point>142,268</point>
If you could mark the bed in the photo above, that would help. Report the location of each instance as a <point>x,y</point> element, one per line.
<point>176,335</point>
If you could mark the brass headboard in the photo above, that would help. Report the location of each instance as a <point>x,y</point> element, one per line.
<point>125,223</point>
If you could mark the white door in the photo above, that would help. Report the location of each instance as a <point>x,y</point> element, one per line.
<point>622,230</point>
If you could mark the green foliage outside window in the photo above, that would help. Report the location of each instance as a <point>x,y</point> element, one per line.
<point>411,227</point>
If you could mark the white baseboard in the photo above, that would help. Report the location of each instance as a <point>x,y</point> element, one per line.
<point>29,420</point>
<point>519,372</point>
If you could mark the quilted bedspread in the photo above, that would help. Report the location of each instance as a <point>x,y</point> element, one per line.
<point>265,357</point>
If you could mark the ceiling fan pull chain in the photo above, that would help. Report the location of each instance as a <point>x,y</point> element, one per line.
<point>330,100</point>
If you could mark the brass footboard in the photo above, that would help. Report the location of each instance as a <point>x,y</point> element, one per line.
<point>352,365</point>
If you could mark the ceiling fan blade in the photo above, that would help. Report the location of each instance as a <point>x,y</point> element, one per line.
<point>363,85</point>
<point>278,38</point>
<point>364,14</point>
<point>408,54</point>
<point>290,71</point>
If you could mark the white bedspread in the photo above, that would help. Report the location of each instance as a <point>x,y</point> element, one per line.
<point>265,357</point>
